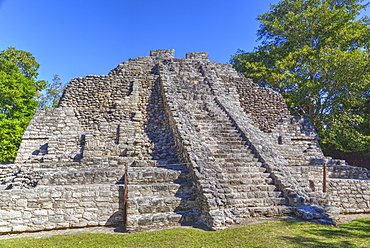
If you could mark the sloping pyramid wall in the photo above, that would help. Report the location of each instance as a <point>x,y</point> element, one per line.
<point>203,146</point>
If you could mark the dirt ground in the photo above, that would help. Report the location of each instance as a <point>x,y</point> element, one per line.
<point>112,230</point>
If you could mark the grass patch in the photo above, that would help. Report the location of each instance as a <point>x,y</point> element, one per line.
<point>285,233</point>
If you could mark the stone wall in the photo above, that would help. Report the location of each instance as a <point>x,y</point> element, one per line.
<point>197,56</point>
<point>347,187</point>
<point>46,208</point>
<point>265,106</point>
<point>350,195</point>
<point>297,140</point>
<point>59,142</point>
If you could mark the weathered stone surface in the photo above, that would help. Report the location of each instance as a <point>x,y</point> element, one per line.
<point>203,145</point>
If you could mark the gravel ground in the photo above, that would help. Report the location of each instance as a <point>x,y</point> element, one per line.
<point>112,230</point>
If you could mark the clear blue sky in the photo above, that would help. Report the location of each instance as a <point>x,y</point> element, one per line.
<point>75,38</point>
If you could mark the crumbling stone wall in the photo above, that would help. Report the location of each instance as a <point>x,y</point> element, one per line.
<point>265,106</point>
<point>59,142</point>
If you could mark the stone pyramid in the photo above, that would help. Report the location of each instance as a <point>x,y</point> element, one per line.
<point>196,142</point>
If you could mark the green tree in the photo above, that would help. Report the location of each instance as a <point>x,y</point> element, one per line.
<point>316,54</point>
<point>18,89</point>
<point>49,98</point>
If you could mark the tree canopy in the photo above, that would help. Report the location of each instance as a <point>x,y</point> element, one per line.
<point>18,91</point>
<point>316,53</point>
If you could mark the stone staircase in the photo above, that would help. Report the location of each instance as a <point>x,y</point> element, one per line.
<point>249,191</point>
<point>7,174</point>
<point>160,197</point>
<point>16,177</point>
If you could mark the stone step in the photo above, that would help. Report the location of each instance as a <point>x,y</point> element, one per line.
<point>216,121</point>
<point>253,175</point>
<point>269,211</point>
<point>235,179</point>
<point>98,175</point>
<point>238,147</point>
<point>232,150</point>
<point>6,171</point>
<point>225,143</point>
<point>219,124</point>
<point>219,132</point>
<point>145,222</point>
<point>209,114</point>
<point>245,177</point>
<point>239,162</point>
<point>161,189</point>
<point>255,195</point>
<point>157,175</point>
<point>227,149</point>
<point>242,156</point>
<point>248,161</point>
<point>229,168</point>
<point>203,118</point>
<point>226,129</point>
<point>246,170</point>
<point>253,188</point>
<point>207,120</point>
<point>8,179</point>
<point>237,153</point>
<point>150,204</point>
<point>225,136</point>
<point>233,156</point>
<point>256,202</point>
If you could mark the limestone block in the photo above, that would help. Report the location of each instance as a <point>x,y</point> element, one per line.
<point>3,223</point>
<point>19,228</point>
<point>39,220</point>
<point>5,229</point>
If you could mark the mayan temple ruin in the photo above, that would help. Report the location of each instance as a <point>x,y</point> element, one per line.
<point>163,141</point>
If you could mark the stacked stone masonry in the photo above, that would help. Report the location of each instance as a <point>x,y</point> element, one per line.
<point>202,144</point>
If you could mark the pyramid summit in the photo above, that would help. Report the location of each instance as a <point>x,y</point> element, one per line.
<point>163,141</point>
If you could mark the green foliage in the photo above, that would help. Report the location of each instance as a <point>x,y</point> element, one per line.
<point>316,54</point>
<point>49,98</point>
<point>269,234</point>
<point>18,88</point>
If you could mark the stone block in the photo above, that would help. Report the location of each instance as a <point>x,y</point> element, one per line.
<point>19,228</point>
<point>88,204</point>
<point>21,203</point>
<point>39,220</point>
<point>102,204</point>
<point>3,223</point>
<point>5,229</point>
<point>40,212</point>
<point>71,205</point>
